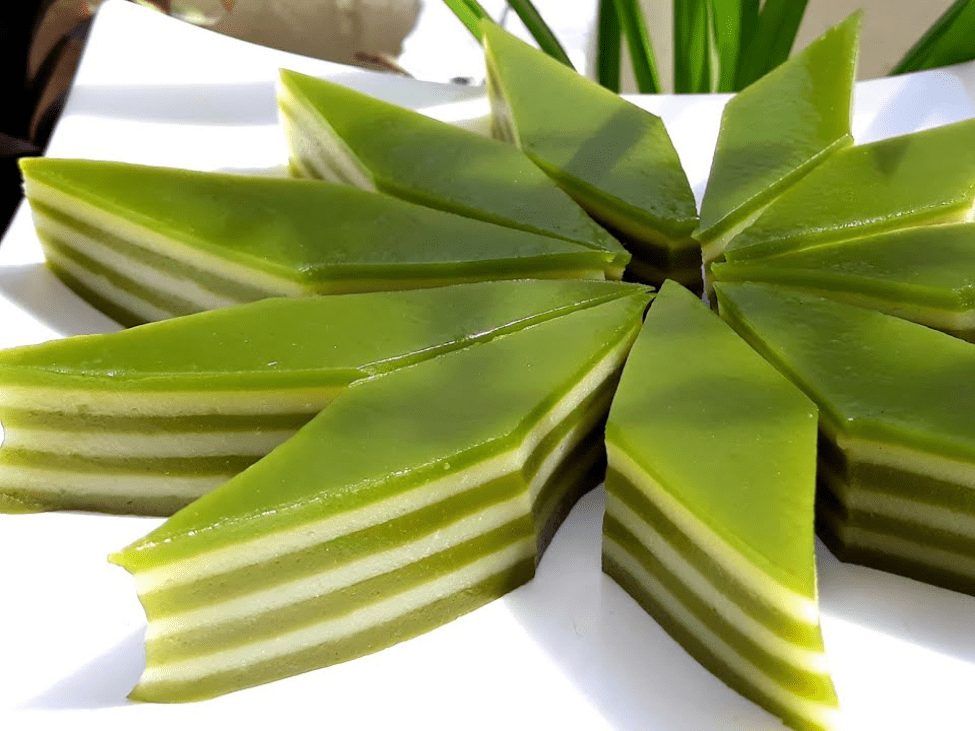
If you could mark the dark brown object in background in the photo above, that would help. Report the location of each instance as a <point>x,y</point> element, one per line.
<point>39,52</point>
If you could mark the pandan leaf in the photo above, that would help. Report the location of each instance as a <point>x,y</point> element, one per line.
<point>540,31</point>
<point>470,13</point>
<point>950,40</point>
<point>608,46</point>
<point>640,46</point>
<point>692,47</point>
<point>771,41</point>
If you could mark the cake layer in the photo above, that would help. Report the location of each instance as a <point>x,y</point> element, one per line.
<point>777,130</point>
<point>925,274</point>
<point>160,240</point>
<point>409,500</point>
<point>916,179</point>
<point>898,446</point>
<point>709,510</point>
<point>147,419</point>
<point>615,160</point>
<point>339,134</point>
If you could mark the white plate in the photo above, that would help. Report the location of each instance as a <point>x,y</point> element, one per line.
<point>569,650</point>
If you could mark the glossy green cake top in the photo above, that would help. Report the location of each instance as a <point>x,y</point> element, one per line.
<point>873,376</point>
<point>436,164</point>
<point>780,127</point>
<point>295,341</point>
<point>387,435</point>
<point>932,266</point>
<point>601,148</point>
<point>307,231</point>
<point>913,179</point>
<point>723,433</point>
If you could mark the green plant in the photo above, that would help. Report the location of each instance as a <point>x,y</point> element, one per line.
<point>721,45</point>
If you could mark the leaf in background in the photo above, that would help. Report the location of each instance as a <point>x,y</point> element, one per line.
<point>640,46</point>
<point>470,13</point>
<point>608,46</point>
<point>950,40</point>
<point>692,47</point>
<point>540,31</point>
<point>772,39</point>
<point>732,22</point>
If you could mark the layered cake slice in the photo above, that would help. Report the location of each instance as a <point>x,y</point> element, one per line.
<point>777,130</point>
<point>709,508</point>
<point>912,180</point>
<point>897,427</point>
<point>148,419</point>
<point>339,134</point>
<point>415,497</point>
<point>925,274</point>
<point>615,159</point>
<point>143,243</point>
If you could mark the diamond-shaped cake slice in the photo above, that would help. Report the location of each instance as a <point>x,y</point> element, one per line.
<point>925,274</point>
<point>777,130</point>
<point>912,180</point>
<point>616,160</point>
<point>144,243</point>
<point>897,427</point>
<point>339,134</point>
<point>148,419</point>
<point>415,497</point>
<point>709,507</point>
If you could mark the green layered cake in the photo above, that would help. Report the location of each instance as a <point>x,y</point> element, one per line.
<point>777,130</point>
<point>897,427</point>
<point>709,507</point>
<point>148,419</point>
<point>615,159</point>
<point>343,135</point>
<point>415,497</point>
<point>912,180</point>
<point>925,274</point>
<point>143,243</point>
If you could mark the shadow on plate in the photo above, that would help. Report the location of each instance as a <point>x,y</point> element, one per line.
<point>927,616</point>
<point>34,289</point>
<point>613,652</point>
<point>102,683</point>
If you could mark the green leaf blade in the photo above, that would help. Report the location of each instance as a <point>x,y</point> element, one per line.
<point>640,46</point>
<point>540,31</point>
<point>949,40</point>
<point>772,40</point>
<point>608,46</point>
<point>692,47</point>
<point>470,13</point>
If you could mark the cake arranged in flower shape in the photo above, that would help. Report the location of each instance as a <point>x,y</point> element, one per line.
<point>776,130</point>
<point>339,134</point>
<point>925,274</point>
<point>615,160</point>
<point>148,419</point>
<point>709,507</point>
<point>897,426</point>
<point>144,243</point>
<point>413,498</point>
<point>916,179</point>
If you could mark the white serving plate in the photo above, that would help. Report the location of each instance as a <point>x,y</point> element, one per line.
<point>570,650</point>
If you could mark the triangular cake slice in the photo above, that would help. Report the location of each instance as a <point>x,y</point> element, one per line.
<point>148,419</point>
<point>897,423</point>
<point>145,243</point>
<point>339,134</point>
<point>709,507</point>
<point>415,497</point>
<point>912,180</point>
<point>777,130</point>
<point>616,160</point>
<point>924,274</point>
